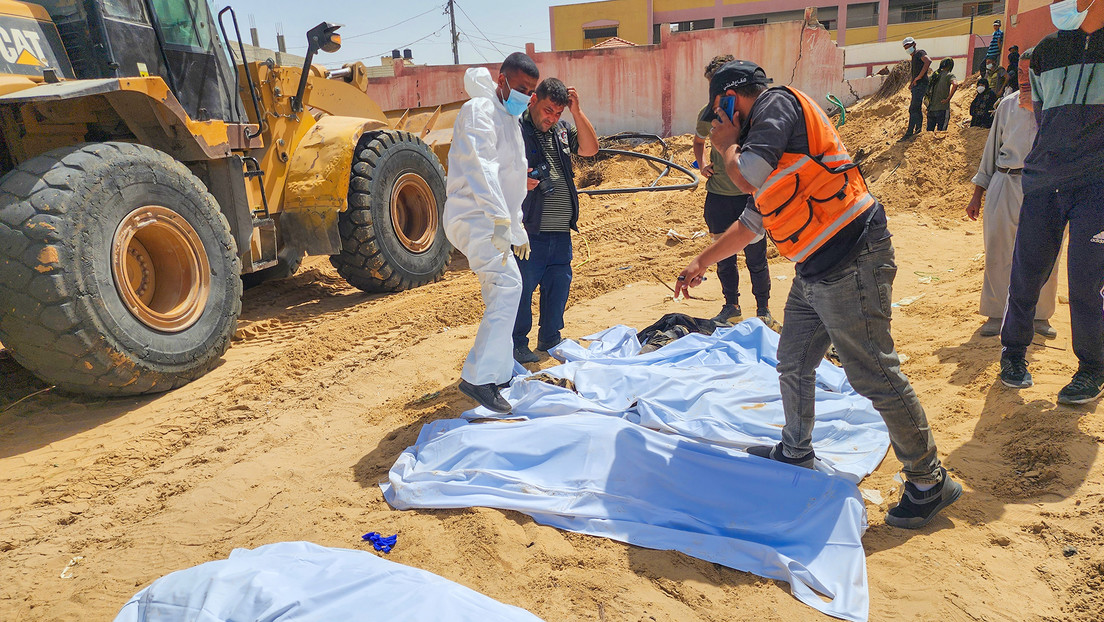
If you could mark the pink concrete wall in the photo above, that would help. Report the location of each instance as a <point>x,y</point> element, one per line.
<point>653,88</point>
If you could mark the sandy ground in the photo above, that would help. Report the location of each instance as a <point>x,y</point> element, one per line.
<point>325,386</point>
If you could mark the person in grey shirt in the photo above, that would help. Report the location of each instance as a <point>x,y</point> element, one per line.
<point>843,287</point>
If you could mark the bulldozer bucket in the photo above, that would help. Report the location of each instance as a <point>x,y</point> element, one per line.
<point>433,124</point>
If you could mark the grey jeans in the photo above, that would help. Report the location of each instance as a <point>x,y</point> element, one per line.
<point>850,308</point>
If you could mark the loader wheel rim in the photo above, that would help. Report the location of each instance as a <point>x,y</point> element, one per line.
<point>413,212</point>
<point>160,268</point>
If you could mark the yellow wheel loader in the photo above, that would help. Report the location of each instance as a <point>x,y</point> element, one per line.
<point>144,173</point>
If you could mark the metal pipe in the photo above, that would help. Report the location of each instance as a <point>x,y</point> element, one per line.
<point>340,74</point>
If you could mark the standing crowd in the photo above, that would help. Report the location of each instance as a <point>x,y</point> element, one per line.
<point>777,169</point>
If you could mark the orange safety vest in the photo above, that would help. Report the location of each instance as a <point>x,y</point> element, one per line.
<point>809,197</point>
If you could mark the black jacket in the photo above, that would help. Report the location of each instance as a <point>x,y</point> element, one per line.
<point>1067,84</point>
<point>532,208</point>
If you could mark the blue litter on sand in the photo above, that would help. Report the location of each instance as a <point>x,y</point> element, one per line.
<point>380,542</point>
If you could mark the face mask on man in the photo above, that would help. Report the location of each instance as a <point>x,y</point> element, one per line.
<point>910,49</point>
<point>981,89</point>
<point>1065,15</point>
<point>517,102</point>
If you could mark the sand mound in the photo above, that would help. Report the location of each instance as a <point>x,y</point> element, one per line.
<point>930,173</point>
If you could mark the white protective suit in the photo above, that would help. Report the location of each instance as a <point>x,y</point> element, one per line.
<point>486,182</point>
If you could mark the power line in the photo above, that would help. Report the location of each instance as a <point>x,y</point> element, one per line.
<point>474,46</point>
<point>508,45</point>
<point>477,27</point>
<point>405,45</point>
<point>372,32</point>
<point>436,8</point>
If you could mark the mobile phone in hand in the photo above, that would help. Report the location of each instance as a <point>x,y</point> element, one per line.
<point>728,104</point>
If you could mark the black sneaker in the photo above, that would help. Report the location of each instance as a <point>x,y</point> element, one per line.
<point>775,453</point>
<point>523,355</point>
<point>916,508</point>
<point>728,312</point>
<point>487,395</point>
<point>1014,372</point>
<point>1084,388</point>
<point>545,346</point>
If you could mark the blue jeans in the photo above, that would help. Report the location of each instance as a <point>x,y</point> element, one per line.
<point>1043,220</point>
<point>850,308</point>
<point>549,267</point>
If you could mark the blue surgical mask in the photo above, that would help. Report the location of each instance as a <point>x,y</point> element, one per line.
<point>517,102</point>
<point>1065,15</point>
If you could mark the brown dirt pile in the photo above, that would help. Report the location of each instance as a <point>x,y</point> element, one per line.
<point>930,173</point>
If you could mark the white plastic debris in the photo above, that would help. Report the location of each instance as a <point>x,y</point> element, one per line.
<point>904,302</point>
<point>68,572</point>
<point>872,495</point>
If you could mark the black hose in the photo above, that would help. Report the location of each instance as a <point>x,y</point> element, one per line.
<point>653,188</point>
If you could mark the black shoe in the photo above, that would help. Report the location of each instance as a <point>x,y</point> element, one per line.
<point>728,312</point>
<point>545,346</point>
<point>775,453</point>
<point>916,508</point>
<point>1014,372</point>
<point>1084,388</point>
<point>907,136</point>
<point>523,355</point>
<point>487,395</point>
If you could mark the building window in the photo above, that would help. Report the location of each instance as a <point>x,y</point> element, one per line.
<point>918,12</point>
<point>701,24</point>
<point>731,22</point>
<point>862,15</point>
<point>978,8</point>
<point>600,33</point>
<point>828,24</point>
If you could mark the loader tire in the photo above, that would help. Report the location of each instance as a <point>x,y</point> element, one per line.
<point>118,272</point>
<point>392,234</point>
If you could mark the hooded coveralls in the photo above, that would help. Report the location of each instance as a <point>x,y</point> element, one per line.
<point>486,182</point>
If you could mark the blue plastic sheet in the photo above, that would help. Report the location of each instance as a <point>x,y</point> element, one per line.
<point>608,477</point>
<point>300,582</point>
<point>647,449</point>
<point>721,388</point>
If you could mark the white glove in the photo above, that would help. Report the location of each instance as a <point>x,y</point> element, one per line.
<point>501,237</point>
<point>522,251</point>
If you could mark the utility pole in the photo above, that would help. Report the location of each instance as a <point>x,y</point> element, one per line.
<point>973,12</point>
<point>452,18</point>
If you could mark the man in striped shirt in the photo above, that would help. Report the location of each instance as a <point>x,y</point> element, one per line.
<point>1063,185</point>
<point>995,43</point>
<point>550,210</point>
